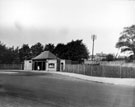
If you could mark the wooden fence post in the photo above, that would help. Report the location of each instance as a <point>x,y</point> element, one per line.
<point>102,71</point>
<point>73,68</point>
<point>77,68</point>
<point>91,70</point>
<point>120,71</point>
<point>84,68</point>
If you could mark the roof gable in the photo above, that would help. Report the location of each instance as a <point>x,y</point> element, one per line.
<point>45,55</point>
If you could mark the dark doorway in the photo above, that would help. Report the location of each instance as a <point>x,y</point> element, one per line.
<point>39,65</point>
<point>62,66</point>
<point>44,66</point>
<point>35,65</point>
<point>58,65</point>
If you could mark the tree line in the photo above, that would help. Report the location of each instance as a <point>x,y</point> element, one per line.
<point>74,50</point>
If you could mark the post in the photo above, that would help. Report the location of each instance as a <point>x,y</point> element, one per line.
<point>120,71</point>
<point>103,71</point>
<point>93,37</point>
<point>93,50</point>
<point>84,68</point>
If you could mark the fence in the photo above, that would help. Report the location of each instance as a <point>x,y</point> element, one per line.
<point>102,70</point>
<point>11,66</point>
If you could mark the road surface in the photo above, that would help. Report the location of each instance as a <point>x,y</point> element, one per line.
<point>55,90</point>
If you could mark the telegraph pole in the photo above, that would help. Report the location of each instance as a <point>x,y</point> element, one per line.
<point>93,37</point>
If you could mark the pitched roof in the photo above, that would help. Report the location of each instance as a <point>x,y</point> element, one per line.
<point>45,55</point>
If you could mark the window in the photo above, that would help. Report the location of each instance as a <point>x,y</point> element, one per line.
<point>51,65</point>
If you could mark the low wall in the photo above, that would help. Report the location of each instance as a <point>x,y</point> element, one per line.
<point>102,70</point>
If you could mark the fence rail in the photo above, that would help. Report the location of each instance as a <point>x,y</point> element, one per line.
<point>11,66</point>
<point>102,70</point>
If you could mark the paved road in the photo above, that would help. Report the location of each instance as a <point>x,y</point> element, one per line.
<point>57,90</point>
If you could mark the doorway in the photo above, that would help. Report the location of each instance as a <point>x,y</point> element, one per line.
<point>40,65</point>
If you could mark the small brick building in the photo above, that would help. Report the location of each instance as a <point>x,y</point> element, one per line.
<point>46,61</point>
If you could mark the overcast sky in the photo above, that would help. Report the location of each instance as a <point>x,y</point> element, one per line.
<point>60,21</point>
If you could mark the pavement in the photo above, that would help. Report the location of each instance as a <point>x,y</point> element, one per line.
<point>109,80</point>
<point>115,81</point>
<point>61,89</point>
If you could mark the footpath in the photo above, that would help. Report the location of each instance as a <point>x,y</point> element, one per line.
<point>115,81</point>
<point>109,80</point>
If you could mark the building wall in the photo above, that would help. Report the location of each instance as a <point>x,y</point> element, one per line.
<point>51,65</point>
<point>28,65</point>
<point>63,63</point>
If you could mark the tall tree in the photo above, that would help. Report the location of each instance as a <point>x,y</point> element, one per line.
<point>60,51</point>
<point>36,49</point>
<point>77,50</point>
<point>8,55</point>
<point>3,53</point>
<point>24,52</point>
<point>127,40</point>
<point>74,50</point>
<point>16,55</point>
<point>49,47</point>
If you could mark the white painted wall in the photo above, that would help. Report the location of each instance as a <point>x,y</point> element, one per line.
<point>28,65</point>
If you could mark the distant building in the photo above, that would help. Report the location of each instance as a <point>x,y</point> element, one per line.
<point>100,56</point>
<point>46,61</point>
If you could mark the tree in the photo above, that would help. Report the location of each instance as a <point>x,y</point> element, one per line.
<point>49,47</point>
<point>8,55</point>
<point>16,55</point>
<point>109,57</point>
<point>127,40</point>
<point>74,50</point>
<point>4,54</point>
<point>12,56</point>
<point>60,51</point>
<point>36,49</point>
<point>77,51</point>
<point>24,52</point>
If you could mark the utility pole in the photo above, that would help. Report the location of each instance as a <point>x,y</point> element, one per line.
<point>93,37</point>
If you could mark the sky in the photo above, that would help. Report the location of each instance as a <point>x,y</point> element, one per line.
<point>61,21</point>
